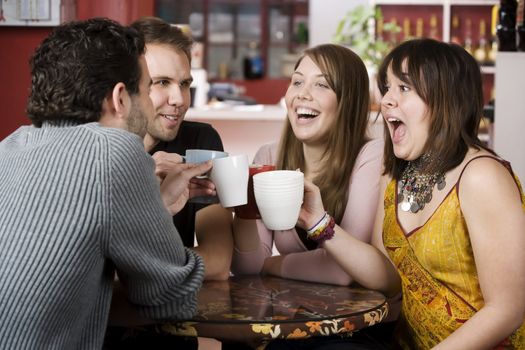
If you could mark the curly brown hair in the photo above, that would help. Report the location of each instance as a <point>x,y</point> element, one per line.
<point>77,66</point>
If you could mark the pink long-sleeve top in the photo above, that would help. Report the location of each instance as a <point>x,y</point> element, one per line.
<point>317,265</point>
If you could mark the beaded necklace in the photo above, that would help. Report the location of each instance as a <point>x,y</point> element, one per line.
<point>415,186</point>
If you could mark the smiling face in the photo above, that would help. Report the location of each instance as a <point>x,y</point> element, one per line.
<point>170,92</point>
<point>311,103</point>
<point>406,116</point>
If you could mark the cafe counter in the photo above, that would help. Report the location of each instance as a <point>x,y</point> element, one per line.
<point>243,129</point>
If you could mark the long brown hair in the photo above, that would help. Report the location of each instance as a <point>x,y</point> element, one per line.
<point>346,74</point>
<point>448,80</point>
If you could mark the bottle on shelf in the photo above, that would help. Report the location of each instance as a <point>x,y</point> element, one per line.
<point>482,50</point>
<point>468,36</point>
<point>302,34</point>
<point>406,29</point>
<point>493,36</point>
<point>433,32</point>
<point>506,28</point>
<point>252,64</point>
<point>419,27</point>
<point>454,32</point>
<point>520,25</point>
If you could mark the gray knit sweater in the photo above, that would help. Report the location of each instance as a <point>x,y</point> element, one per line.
<point>76,203</point>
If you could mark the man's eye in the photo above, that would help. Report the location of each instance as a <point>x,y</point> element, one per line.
<point>162,82</point>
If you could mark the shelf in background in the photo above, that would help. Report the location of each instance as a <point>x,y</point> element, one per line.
<point>406,2</point>
<point>473,2</point>
<point>488,69</point>
<point>435,2</point>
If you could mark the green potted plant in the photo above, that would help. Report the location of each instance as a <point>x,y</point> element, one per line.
<point>357,31</point>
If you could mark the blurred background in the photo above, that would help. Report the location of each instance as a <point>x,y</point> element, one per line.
<point>245,51</point>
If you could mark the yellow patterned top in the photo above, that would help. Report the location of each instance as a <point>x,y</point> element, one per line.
<point>439,278</point>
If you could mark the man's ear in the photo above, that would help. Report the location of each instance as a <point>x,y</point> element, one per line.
<point>121,100</point>
<point>116,106</point>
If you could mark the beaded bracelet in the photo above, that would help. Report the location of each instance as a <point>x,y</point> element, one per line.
<point>320,223</point>
<point>323,230</point>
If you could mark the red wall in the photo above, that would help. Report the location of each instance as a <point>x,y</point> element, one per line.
<point>18,43</point>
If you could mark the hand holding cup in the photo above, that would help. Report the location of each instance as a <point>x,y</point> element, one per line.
<point>197,156</point>
<point>230,176</point>
<point>175,188</point>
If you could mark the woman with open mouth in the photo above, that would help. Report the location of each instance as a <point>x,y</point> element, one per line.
<point>450,227</point>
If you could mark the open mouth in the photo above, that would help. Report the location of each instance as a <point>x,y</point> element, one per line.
<point>394,122</point>
<point>398,128</point>
<point>306,113</point>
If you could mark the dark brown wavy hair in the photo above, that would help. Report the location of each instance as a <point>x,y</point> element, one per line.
<point>78,65</point>
<point>448,80</point>
<point>346,74</point>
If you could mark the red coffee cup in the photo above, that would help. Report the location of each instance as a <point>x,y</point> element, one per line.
<point>250,210</point>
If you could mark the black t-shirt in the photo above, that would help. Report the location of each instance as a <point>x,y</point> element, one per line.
<point>191,135</point>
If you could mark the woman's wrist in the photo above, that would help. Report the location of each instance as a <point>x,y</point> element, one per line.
<point>323,230</point>
<point>316,222</point>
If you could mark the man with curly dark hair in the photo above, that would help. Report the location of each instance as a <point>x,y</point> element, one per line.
<point>80,199</point>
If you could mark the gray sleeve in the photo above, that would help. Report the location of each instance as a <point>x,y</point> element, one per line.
<point>161,276</point>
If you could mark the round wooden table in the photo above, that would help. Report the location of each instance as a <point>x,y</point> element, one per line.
<point>256,309</point>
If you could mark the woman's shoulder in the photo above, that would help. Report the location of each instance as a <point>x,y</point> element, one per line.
<point>372,150</point>
<point>482,170</point>
<point>478,162</point>
<point>373,147</point>
<point>267,154</point>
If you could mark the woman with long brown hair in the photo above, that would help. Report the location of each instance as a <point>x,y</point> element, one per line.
<point>326,138</point>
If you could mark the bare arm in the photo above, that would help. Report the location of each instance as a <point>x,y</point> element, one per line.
<point>366,263</point>
<point>492,209</point>
<point>213,228</point>
<point>313,266</point>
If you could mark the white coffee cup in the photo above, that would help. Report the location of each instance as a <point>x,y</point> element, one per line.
<point>279,195</point>
<point>230,176</point>
<point>200,156</point>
